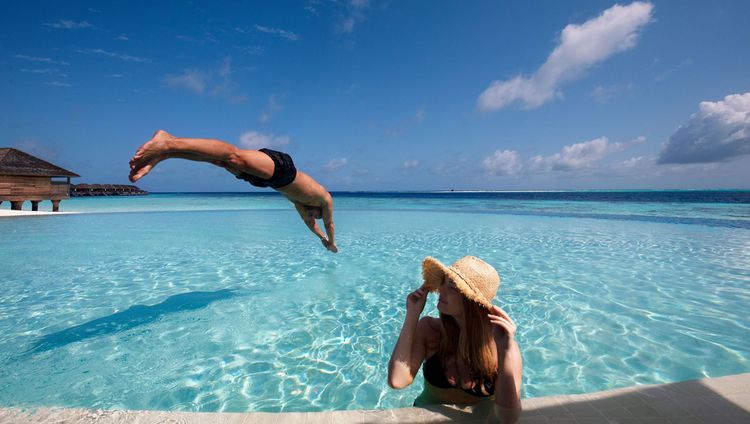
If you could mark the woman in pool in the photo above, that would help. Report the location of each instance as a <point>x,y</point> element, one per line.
<point>469,353</point>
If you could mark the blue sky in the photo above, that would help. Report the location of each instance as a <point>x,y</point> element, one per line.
<point>383,95</point>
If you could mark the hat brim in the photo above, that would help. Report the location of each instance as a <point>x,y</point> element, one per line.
<point>433,272</point>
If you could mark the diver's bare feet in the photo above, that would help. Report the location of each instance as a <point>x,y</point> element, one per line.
<point>148,155</point>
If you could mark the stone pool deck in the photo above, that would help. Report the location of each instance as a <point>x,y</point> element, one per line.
<point>712,400</point>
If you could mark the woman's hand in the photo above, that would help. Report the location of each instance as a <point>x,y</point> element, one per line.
<point>416,300</point>
<point>503,328</point>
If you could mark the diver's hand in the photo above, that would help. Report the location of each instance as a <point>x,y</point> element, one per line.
<point>503,328</point>
<point>416,300</point>
<point>329,245</point>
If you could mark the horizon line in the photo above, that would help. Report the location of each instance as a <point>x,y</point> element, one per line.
<point>449,191</point>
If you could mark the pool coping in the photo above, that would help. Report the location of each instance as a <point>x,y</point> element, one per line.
<point>710,400</point>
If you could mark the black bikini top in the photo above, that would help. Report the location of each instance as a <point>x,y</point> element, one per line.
<point>434,374</point>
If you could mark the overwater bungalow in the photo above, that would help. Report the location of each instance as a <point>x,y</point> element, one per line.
<point>25,177</point>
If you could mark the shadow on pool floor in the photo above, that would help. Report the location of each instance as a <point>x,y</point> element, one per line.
<point>132,317</point>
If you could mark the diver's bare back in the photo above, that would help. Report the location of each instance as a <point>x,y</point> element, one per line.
<point>305,190</point>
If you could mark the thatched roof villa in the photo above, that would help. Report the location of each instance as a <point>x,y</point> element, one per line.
<point>25,177</point>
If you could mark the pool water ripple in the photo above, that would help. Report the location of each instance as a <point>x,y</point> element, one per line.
<point>135,312</point>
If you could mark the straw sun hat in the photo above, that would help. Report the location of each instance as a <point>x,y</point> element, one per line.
<point>474,278</point>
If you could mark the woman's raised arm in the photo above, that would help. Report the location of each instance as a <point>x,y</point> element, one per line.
<point>509,364</point>
<point>410,350</point>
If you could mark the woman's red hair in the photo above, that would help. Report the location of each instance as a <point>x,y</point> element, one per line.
<point>472,347</point>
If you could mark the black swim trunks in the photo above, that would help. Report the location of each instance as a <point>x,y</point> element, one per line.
<point>284,171</point>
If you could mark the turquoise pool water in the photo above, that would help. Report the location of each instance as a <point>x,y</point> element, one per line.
<point>226,303</point>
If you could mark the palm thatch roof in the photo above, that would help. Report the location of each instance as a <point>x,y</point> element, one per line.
<point>16,162</point>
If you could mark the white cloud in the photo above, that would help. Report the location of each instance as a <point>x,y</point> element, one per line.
<point>119,56</point>
<point>45,71</point>
<point>355,14</point>
<point>252,50</point>
<point>673,70</point>
<point>719,132</point>
<point>635,163</point>
<point>273,105</point>
<point>225,68</point>
<point>42,59</point>
<point>40,71</point>
<point>206,38</point>
<point>580,47</point>
<point>277,31</point>
<point>409,165</point>
<point>216,83</point>
<point>313,5</point>
<point>579,155</point>
<point>255,140</point>
<point>67,24</point>
<point>58,84</point>
<point>647,166</point>
<point>503,162</point>
<point>191,80</point>
<point>398,130</point>
<point>123,37</point>
<point>225,86</point>
<point>456,165</point>
<point>574,157</point>
<point>602,94</point>
<point>350,89</point>
<point>346,25</point>
<point>335,164</point>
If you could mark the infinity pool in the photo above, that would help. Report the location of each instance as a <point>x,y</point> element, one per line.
<point>242,309</point>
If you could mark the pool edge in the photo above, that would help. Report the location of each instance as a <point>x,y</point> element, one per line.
<point>722,399</point>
